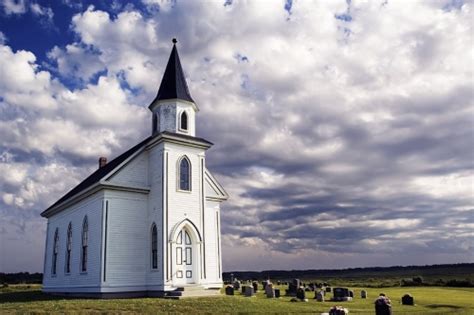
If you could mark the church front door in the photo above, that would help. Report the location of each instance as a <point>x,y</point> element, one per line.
<point>184,258</point>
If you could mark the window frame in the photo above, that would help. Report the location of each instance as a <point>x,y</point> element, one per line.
<point>183,113</point>
<point>154,247</point>
<point>84,245</point>
<point>178,177</point>
<point>54,261</point>
<point>67,258</point>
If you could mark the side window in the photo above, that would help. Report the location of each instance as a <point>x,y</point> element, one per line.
<point>184,174</point>
<point>154,247</point>
<point>68,248</point>
<point>85,239</point>
<point>55,252</point>
<point>183,124</point>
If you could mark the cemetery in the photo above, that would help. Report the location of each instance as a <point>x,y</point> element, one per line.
<point>240,297</point>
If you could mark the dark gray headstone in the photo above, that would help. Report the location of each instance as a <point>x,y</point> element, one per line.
<point>407,299</point>
<point>255,286</point>
<point>383,306</point>
<point>351,293</point>
<point>300,294</point>
<point>277,293</point>
<point>229,290</point>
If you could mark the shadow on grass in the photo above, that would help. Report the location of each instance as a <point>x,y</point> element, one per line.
<point>443,306</point>
<point>30,296</point>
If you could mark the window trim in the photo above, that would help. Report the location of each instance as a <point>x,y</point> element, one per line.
<point>178,175</point>
<point>67,263</point>
<point>84,247</point>
<point>153,252</point>
<point>180,120</point>
<point>54,261</point>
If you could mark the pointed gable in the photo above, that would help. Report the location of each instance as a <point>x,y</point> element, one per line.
<point>173,85</point>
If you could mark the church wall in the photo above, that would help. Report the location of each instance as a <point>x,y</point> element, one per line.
<point>212,242</point>
<point>184,204</point>
<point>127,241</point>
<point>76,280</point>
<point>135,173</point>
<point>155,213</point>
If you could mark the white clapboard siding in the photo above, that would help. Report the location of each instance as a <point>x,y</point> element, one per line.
<point>134,173</point>
<point>155,277</point>
<point>86,281</point>
<point>127,241</point>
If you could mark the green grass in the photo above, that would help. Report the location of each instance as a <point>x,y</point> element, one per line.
<point>429,300</point>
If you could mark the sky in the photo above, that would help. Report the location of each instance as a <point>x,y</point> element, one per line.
<point>343,130</point>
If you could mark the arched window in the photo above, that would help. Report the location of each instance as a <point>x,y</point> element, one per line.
<point>184,174</point>
<point>85,236</point>
<point>184,121</point>
<point>68,248</point>
<point>154,247</point>
<point>55,252</point>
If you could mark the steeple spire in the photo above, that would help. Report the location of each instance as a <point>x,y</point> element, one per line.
<point>173,85</point>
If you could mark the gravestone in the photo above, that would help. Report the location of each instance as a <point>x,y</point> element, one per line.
<point>249,292</point>
<point>277,293</point>
<point>328,289</point>
<point>363,294</point>
<point>243,289</point>
<point>255,286</point>
<point>338,310</point>
<point>341,294</point>
<point>383,306</point>
<point>300,294</point>
<point>351,293</point>
<point>229,290</point>
<point>236,284</point>
<point>269,291</point>
<point>293,287</point>
<point>408,299</point>
<point>319,296</point>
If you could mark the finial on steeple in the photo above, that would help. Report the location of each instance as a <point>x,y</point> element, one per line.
<point>174,40</point>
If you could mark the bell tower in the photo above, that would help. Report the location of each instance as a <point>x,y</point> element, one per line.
<point>173,108</point>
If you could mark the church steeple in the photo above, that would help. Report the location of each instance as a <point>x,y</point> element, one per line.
<point>173,108</point>
<point>173,85</point>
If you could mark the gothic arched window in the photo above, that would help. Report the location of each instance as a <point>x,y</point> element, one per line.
<point>55,252</point>
<point>184,121</point>
<point>85,236</point>
<point>184,174</point>
<point>68,248</point>
<point>154,247</point>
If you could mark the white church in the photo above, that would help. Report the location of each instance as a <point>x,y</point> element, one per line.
<point>146,223</point>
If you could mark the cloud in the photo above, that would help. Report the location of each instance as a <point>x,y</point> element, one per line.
<point>340,133</point>
<point>13,7</point>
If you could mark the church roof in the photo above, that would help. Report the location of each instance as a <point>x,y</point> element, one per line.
<point>173,85</point>
<point>102,172</point>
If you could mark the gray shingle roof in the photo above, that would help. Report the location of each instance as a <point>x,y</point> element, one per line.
<point>173,85</point>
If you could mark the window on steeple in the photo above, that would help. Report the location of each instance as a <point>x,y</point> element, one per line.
<point>183,121</point>
<point>184,174</point>
<point>155,123</point>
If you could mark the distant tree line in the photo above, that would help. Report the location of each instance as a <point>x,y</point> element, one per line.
<point>20,277</point>
<point>453,275</point>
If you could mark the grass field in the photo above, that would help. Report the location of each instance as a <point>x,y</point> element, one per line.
<point>429,300</point>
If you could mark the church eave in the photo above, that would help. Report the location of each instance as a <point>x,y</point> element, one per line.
<point>102,185</point>
<point>166,136</point>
